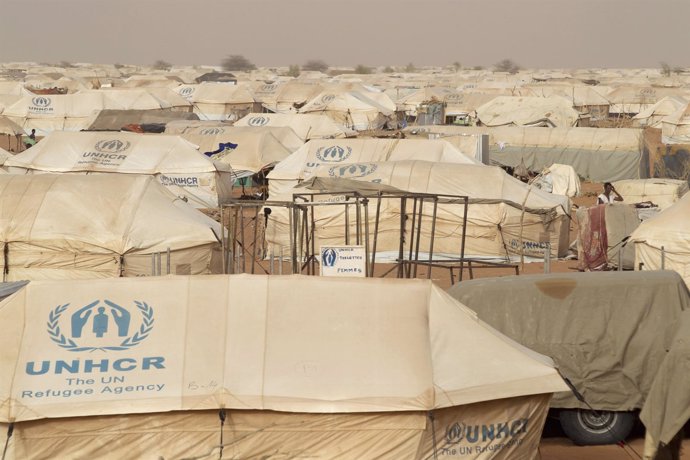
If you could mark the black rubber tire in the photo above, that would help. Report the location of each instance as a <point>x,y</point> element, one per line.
<point>594,428</point>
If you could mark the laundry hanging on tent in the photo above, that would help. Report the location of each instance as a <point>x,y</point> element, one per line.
<point>222,147</point>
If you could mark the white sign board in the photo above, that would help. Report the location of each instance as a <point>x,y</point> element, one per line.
<point>343,261</point>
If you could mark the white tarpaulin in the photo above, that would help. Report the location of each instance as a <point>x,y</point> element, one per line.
<point>337,355</point>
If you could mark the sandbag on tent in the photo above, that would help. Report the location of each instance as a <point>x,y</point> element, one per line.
<point>670,230</point>
<point>496,223</point>
<point>70,227</point>
<point>174,162</point>
<point>371,366</point>
<point>307,126</point>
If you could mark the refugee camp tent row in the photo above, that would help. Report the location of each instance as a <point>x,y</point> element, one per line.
<point>75,112</point>
<point>75,227</point>
<point>176,163</point>
<point>228,366</point>
<point>528,111</point>
<point>359,111</point>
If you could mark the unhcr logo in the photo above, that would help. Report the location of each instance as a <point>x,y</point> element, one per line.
<point>112,146</point>
<point>211,131</point>
<point>459,432</point>
<point>187,91</point>
<point>352,170</point>
<point>269,87</point>
<point>329,257</point>
<point>326,98</point>
<point>103,325</point>
<point>333,154</point>
<point>41,101</point>
<point>258,121</point>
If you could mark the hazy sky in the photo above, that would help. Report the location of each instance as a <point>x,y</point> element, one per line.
<point>534,33</point>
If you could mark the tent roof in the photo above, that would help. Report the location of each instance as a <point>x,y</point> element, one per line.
<point>112,212</point>
<point>113,152</point>
<point>307,126</point>
<point>334,345</point>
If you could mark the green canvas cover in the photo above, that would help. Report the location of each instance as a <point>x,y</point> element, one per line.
<point>607,332</point>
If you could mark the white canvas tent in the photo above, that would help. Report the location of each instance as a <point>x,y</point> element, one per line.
<point>71,227</point>
<point>661,192</point>
<point>355,368</point>
<point>176,163</point>
<point>670,230</point>
<point>356,110</point>
<point>219,101</point>
<point>301,163</point>
<point>306,126</point>
<point>528,111</point>
<point>496,224</point>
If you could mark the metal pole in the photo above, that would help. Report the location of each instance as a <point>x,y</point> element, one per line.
<point>401,247</point>
<point>347,224</point>
<point>280,254</point>
<point>433,234</point>
<point>547,258</point>
<point>223,242</point>
<point>291,211</point>
<point>358,228</point>
<point>256,229</point>
<point>376,234</point>
<point>663,258</point>
<point>412,237</point>
<point>167,262</point>
<point>243,254</point>
<point>367,268</point>
<point>312,236</point>
<point>419,235</point>
<point>462,243</point>
<point>620,258</point>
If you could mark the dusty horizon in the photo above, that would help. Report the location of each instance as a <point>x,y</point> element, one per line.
<point>544,34</point>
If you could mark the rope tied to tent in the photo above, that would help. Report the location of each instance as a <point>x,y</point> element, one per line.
<point>433,434</point>
<point>221,415</point>
<point>10,430</point>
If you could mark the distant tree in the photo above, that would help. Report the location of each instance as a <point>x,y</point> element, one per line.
<point>665,69</point>
<point>678,70</point>
<point>162,65</point>
<point>117,65</point>
<point>237,62</point>
<point>506,65</point>
<point>293,71</point>
<point>478,67</point>
<point>410,68</point>
<point>457,66</point>
<point>388,69</point>
<point>316,65</point>
<point>362,69</point>
<point>66,64</point>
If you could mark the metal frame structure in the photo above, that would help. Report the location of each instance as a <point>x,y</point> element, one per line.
<point>302,227</point>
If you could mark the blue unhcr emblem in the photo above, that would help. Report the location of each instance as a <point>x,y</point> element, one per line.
<point>352,170</point>
<point>329,257</point>
<point>115,335</point>
<point>41,101</point>
<point>112,146</point>
<point>333,154</point>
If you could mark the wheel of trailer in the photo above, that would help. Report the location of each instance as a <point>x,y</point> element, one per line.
<point>587,427</point>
